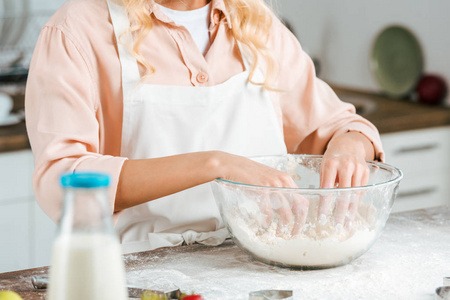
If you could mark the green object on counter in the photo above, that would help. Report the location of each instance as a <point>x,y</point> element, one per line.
<point>9,295</point>
<point>149,295</point>
<point>396,61</point>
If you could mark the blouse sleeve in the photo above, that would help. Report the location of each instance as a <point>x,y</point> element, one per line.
<point>311,111</point>
<point>62,119</point>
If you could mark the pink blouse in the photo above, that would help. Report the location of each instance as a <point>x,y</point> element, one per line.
<point>74,91</point>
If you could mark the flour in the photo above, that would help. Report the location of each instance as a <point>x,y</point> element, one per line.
<point>318,244</point>
<point>313,250</point>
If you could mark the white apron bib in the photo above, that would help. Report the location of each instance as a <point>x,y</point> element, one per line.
<point>235,116</point>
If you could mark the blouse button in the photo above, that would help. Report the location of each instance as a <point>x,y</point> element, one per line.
<point>202,77</point>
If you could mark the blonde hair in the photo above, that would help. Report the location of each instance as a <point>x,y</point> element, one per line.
<point>250,21</point>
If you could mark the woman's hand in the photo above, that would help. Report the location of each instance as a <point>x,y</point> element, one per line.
<point>344,165</point>
<point>175,173</point>
<point>144,180</point>
<point>240,169</point>
<point>292,211</point>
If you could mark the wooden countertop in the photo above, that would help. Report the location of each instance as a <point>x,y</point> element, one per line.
<point>389,116</point>
<point>14,137</point>
<point>408,261</point>
<point>393,115</point>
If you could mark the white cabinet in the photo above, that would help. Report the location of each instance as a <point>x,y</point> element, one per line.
<point>15,175</point>
<point>15,236</point>
<point>43,232</point>
<point>26,232</point>
<point>424,157</point>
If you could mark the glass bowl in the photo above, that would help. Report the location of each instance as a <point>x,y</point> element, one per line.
<point>307,227</point>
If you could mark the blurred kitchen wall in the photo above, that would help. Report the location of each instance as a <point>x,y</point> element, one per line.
<point>340,34</point>
<point>24,21</point>
<point>45,5</point>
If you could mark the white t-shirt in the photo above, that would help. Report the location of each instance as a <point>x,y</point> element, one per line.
<point>195,21</point>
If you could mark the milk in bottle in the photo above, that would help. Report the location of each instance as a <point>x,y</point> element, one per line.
<point>86,259</point>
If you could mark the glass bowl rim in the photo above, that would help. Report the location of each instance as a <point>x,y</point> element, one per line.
<point>314,190</point>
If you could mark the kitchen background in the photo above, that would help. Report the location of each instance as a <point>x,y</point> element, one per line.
<point>339,35</point>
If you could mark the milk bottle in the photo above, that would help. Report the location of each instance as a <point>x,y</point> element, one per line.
<point>86,259</point>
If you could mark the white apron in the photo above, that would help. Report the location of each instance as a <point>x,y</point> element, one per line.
<point>235,116</point>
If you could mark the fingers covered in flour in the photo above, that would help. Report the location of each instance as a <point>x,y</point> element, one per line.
<point>326,207</point>
<point>263,214</point>
<point>280,205</point>
<point>342,206</point>
<point>291,210</point>
<point>300,207</point>
<point>342,170</point>
<point>360,178</point>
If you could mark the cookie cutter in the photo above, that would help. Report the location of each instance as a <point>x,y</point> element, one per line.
<point>443,292</point>
<point>446,281</point>
<point>271,295</point>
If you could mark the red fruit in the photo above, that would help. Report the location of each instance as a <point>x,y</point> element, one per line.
<point>431,89</point>
<point>192,297</point>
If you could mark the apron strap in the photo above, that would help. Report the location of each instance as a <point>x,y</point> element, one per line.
<point>121,23</point>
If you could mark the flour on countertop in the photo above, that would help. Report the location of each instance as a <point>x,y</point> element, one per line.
<point>405,263</point>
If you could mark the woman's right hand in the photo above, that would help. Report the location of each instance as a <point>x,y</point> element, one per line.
<point>144,180</point>
<point>244,170</point>
<point>292,211</point>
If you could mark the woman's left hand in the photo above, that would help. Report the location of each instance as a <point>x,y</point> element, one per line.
<point>344,165</point>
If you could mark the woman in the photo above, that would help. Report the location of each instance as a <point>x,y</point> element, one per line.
<point>165,108</point>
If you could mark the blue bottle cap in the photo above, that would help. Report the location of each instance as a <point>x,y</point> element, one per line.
<point>85,180</point>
